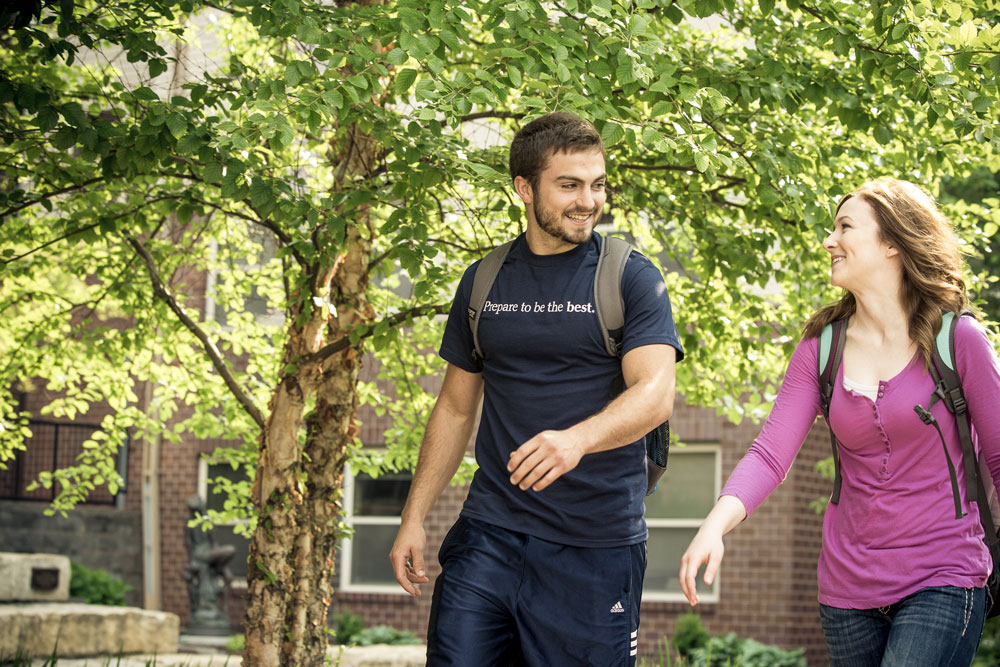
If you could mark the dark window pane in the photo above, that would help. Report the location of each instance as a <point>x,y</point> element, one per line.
<point>369,554</point>
<point>381,496</point>
<point>217,499</point>
<point>687,489</point>
<point>666,546</point>
<point>225,535</point>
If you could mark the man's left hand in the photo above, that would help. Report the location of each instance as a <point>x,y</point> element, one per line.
<point>544,459</point>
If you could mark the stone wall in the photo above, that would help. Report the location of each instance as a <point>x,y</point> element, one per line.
<point>101,538</point>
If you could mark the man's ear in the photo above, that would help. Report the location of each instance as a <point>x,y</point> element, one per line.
<point>523,189</point>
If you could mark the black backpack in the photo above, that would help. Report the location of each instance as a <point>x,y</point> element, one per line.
<point>948,388</point>
<point>610,308</point>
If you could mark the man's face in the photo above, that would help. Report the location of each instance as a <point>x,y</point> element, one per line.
<point>567,203</point>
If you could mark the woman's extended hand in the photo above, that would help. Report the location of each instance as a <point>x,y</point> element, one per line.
<point>707,547</point>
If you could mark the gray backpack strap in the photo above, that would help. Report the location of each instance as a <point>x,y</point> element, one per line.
<point>486,273</point>
<point>608,292</point>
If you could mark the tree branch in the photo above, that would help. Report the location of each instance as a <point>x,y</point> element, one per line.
<point>345,341</point>
<point>491,114</point>
<point>160,290</point>
<point>15,209</point>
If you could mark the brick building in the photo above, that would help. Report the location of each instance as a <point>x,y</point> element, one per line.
<point>766,588</point>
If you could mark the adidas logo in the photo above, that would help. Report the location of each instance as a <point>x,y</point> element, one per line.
<point>618,608</point>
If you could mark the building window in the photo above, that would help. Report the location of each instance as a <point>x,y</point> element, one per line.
<point>372,506</point>
<point>687,493</point>
<point>224,534</point>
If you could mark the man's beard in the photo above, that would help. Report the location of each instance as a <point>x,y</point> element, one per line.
<point>550,224</point>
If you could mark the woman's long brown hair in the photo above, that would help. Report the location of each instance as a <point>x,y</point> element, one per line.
<point>911,222</point>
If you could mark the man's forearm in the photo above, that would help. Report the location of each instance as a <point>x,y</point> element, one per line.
<point>444,444</point>
<point>633,414</point>
<point>642,407</point>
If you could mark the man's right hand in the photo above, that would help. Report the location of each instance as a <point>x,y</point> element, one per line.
<point>407,557</point>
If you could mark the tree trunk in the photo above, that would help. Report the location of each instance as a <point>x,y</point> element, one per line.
<point>297,498</point>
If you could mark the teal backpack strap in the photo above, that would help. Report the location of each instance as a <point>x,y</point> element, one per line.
<point>948,389</point>
<point>486,274</point>
<point>608,292</point>
<point>831,353</point>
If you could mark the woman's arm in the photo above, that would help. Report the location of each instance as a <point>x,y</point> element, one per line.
<point>762,469</point>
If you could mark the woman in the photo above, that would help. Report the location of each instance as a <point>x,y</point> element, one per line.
<point>901,580</point>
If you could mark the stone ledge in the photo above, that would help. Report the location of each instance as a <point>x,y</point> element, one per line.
<point>71,629</point>
<point>34,577</point>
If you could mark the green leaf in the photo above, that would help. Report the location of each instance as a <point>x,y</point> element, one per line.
<point>213,172</point>
<point>404,79</point>
<point>882,134</point>
<point>145,93</point>
<point>156,67</point>
<point>46,118</point>
<point>74,114</point>
<point>612,133</point>
<point>292,75</point>
<point>701,161</point>
<point>766,7</point>
<point>176,124</point>
<point>333,98</point>
<point>64,138</point>
<point>514,74</point>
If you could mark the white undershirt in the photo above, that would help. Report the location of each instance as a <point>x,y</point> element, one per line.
<point>871,391</point>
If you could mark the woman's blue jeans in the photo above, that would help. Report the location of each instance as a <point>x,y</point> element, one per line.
<point>934,627</point>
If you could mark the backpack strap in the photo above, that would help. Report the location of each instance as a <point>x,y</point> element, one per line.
<point>608,299</point>
<point>831,353</point>
<point>948,388</point>
<point>486,274</point>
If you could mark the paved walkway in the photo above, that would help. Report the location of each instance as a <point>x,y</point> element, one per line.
<point>357,656</point>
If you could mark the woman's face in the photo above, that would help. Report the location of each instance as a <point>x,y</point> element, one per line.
<point>859,257</point>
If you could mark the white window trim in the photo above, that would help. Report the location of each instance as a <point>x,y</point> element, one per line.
<point>203,462</point>
<point>705,594</point>
<point>346,552</point>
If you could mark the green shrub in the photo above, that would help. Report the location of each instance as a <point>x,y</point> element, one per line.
<point>988,654</point>
<point>348,625</point>
<point>689,634</point>
<point>96,586</point>
<point>383,634</point>
<point>732,650</point>
<point>236,643</point>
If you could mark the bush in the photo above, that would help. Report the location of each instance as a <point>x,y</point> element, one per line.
<point>96,586</point>
<point>731,650</point>
<point>988,654</point>
<point>236,643</point>
<point>348,625</point>
<point>689,634</point>
<point>383,634</point>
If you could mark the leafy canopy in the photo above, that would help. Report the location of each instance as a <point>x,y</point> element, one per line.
<point>164,160</point>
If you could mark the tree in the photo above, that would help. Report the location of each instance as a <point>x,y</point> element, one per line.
<point>149,144</point>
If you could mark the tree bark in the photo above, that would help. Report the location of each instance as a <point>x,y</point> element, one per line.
<point>297,487</point>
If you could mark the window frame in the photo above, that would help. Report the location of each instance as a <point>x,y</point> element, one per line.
<point>706,594</point>
<point>346,553</point>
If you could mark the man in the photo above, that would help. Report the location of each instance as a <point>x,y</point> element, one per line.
<point>545,565</point>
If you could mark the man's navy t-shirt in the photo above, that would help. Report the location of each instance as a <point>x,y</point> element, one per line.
<point>545,367</point>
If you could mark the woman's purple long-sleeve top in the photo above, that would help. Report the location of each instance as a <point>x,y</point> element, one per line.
<point>894,531</point>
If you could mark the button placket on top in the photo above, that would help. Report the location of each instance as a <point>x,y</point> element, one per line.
<point>881,431</point>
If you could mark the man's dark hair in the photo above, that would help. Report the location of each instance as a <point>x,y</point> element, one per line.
<point>557,132</point>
